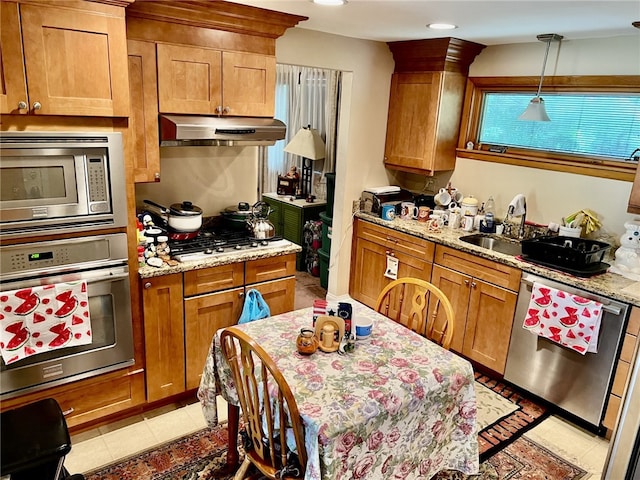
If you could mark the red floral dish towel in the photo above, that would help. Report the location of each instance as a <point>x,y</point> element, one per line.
<point>43,318</point>
<point>570,320</point>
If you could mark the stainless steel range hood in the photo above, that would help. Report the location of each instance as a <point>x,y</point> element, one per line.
<point>191,130</point>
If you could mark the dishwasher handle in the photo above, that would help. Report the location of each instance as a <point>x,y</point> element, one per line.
<point>606,305</point>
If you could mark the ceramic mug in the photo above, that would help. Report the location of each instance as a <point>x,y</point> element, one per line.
<point>388,212</point>
<point>408,211</point>
<point>423,214</point>
<point>467,223</point>
<point>454,220</point>
<point>442,197</point>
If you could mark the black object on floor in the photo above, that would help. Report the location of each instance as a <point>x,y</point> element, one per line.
<point>34,441</point>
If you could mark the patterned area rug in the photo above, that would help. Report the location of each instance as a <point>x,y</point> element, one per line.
<point>502,422</point>
<point>503,416</point>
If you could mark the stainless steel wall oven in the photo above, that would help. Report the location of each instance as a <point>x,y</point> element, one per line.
<point>68,183</point>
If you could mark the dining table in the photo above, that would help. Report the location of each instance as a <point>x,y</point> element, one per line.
<point>397,406</point>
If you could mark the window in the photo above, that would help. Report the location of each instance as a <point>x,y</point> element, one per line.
<point>594,128</point>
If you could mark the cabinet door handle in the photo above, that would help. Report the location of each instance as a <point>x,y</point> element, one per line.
<point>22,105</point>
<point>219,109</point>
<point>241,295</point>
<point>466,282</point>
<point>147,285</point>
<point>390,253</point>
<point>37,105</point>
<point>156,177</point>
<point>473,285</point>
<point>226,109</point>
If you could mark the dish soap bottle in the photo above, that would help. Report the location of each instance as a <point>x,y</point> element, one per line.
<point>489,214</point>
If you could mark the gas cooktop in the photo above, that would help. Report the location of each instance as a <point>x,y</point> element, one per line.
<point>209,244</point>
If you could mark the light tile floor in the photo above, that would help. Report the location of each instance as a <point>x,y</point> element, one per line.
<point>112,442</point>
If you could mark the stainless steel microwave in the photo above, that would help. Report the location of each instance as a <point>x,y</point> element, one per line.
<point>52,182</point>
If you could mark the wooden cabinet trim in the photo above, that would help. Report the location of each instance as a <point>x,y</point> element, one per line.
<point>478,267</point>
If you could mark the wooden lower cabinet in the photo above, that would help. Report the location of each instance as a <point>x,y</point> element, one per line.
<point>372,244</point>
<point>204,315</point>
<point>279,294</point>
<point>483,310</point>
<point>163,336</point>
<point>182,313</point>
<point>621,376</point>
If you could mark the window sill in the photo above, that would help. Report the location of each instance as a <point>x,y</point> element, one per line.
<point>624,172</point>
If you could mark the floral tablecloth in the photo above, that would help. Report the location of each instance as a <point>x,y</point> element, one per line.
<point>399,407</point>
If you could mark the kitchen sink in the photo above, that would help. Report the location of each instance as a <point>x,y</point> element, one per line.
<point>494,242</point>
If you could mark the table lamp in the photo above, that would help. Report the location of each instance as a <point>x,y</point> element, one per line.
<point>309,145</point>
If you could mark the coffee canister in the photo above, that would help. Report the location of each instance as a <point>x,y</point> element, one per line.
<point>469,206</point>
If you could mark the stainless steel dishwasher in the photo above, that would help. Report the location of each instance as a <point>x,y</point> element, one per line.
<point>576,383</point>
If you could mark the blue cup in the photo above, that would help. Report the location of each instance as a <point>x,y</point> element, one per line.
<point>388,212</point>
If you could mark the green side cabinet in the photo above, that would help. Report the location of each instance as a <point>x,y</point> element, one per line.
<point>289,217</point>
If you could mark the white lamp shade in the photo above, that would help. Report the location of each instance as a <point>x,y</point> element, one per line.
<point>535,112</point>
<point>307,143</point>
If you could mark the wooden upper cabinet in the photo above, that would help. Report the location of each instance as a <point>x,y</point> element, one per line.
<point>189,79</point>
<point>425,103</point>
<point>411,125</point>
<point>13,84</point>
<point>75,60</point>
<point>248,84</point>
<point>143,120</point>
<point>206,81</point>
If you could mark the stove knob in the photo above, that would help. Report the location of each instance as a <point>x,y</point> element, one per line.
<point>219,249</point>
<point>264,243</point>
<point>208,251</point>
<point>254,244</point>
<point>238,247</point>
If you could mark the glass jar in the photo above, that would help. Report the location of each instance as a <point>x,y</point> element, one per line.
<point>307,343</point>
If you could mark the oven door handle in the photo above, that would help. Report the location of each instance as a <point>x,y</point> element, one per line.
<point>606,306</point>
<point>110,277</point>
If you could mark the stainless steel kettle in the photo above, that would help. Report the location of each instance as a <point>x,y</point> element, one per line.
<point>258,223</point>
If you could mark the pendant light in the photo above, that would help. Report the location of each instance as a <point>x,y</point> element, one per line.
<point>535,111</point>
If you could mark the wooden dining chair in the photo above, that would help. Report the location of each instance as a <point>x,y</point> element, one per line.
<point>420,306</point>
<point>255,373</point>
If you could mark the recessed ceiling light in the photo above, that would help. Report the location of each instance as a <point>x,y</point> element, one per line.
<point>330,2</point>
<point>441,26</point>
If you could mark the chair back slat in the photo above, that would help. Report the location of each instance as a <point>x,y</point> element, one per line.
<point>268,406</point>
<point>428,313</point>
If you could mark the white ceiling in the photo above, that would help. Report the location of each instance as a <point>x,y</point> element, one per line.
<point>485,22</point>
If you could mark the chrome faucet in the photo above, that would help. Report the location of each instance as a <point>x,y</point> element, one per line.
<point>520,202</point>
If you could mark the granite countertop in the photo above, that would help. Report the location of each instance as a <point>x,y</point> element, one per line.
<point>217,260</point>
<point>607,284</point>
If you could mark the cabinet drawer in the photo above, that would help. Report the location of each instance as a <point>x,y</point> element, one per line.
<point>90,400</point>
<point>270,268</point>
<point>396,241</point>
<point>492,272</point>
<point>197,282</point>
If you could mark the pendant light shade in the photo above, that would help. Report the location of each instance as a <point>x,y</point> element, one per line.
<point>535,111</point>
